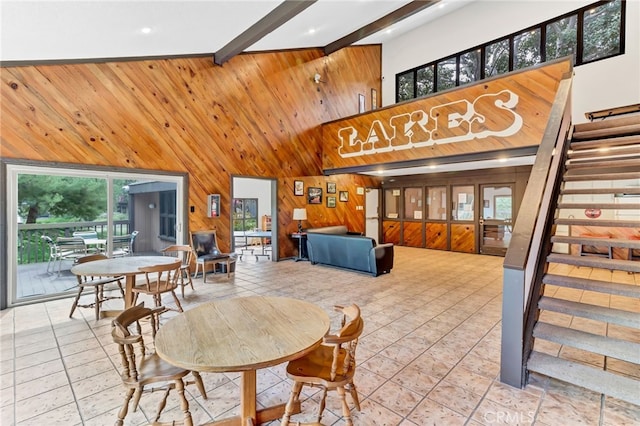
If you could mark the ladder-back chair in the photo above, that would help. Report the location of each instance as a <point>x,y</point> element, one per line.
<point>331,366</point>
<point>159,279</point>
<point>98,284</point>
<point>142,367</point>
<point>184,253</point>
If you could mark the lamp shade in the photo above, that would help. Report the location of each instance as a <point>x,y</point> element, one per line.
<point>299,214</point>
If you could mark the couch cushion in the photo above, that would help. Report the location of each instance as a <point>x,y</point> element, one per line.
<point>346,251</point>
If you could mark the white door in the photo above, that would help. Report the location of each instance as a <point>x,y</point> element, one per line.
<point>372,213</point>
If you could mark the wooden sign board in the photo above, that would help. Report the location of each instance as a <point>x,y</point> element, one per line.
<point>491,115</point>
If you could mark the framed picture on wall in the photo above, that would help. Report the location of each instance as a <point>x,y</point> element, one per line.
<point>331,201</point>
<point>344,196</point>
<point>314,195</point>
<point>298,187</point>
<point>331,187</point>
<point>213,205</point>
<point>361,105</point>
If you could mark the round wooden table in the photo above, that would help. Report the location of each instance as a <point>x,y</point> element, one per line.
<point>128,266</point>
<point>243,334</point>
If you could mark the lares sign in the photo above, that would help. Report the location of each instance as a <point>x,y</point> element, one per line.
<point>488,115</point>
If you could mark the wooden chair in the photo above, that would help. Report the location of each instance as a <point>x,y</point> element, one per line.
<point>331,366</point>
<point>205,248</point>
<point>160,279</point>
<point>142,367</point>
<point>97,283</point>
<point>184,253</point>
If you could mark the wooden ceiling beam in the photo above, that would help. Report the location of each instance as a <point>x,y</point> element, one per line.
<point>382,23</point>
<point>274,19</point>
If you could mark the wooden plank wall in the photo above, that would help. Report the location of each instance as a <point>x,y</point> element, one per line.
<point>258,115</point>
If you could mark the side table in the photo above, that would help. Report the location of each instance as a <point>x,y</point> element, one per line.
<point>302,245</point>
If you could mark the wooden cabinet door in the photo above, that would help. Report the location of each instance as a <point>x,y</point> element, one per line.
<point>391,232</point>
<point>436,235</point>
<point>412,234</point>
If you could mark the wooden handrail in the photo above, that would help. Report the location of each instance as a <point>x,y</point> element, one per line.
<point>611,112</point>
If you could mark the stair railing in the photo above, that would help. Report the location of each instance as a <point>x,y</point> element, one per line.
<point>525,260</point>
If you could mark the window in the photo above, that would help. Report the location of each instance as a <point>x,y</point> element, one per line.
<point>462,198</point>
<point>245,214</point>
<point>496,58</point>
<point>168,215</point>
<point>413,203</point>
<point>591,33</point>
<point>602,31</point>
<point>391,203</point>
<point>437,203</point>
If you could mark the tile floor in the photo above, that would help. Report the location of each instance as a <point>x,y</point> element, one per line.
<point>430,353</point>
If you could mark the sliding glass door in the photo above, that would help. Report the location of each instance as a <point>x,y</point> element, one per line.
<point>47,207</point>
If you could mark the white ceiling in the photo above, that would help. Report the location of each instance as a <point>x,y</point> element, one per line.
<point>60,30</point>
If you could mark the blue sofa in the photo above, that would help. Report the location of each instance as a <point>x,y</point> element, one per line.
<point>335,246</point>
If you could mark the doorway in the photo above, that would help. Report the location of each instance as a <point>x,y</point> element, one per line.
<point>496,218</point>
<point>254,204</point>
<point>372,213</point>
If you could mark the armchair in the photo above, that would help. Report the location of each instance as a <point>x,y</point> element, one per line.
<point>207,253</point>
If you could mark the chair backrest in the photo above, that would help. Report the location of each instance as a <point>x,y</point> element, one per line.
<point>345,339</point>
<point>204,243</point>
<point>134,234</point>
<point>75,244</point>
<point>86,235</point>
<point>85,259</point>
<point>127,332</point>
<point>182,252</point>
<point>161,277</point>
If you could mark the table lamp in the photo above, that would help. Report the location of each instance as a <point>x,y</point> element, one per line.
<point>299,215</point>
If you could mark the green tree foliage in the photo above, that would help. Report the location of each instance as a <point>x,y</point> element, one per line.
<point>73,198</point>
<point>602,27</point>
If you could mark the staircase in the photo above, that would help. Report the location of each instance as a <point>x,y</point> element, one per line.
<point>588,328</point>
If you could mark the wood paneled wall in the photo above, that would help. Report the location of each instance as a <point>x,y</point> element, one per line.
<point>258,115</point>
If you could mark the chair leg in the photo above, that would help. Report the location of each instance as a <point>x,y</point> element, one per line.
<point>323,403</point>
<point>75,302</point>
<point>184,404</point>
<point>354,395</point>
<point>125,408</point>
<point>175,297</point>
<point>346,413</point>
<point>163,401</point>
<point>288,409</point>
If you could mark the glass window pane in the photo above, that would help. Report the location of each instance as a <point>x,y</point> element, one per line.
<point>470,67</point>
<point>462,202</point>
<point>446,74</point>
<point>425,81</point>
<point>405,85</point>
<point>526,48</point>
<point>391,203</point>
<point>413,203</point>
<point>601,31</point>
<point>562,38</point>
<point>437,203</point>
<point>496,58</point>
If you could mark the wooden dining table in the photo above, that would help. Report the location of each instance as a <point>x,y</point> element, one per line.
<point>128,267</point>
<point>243,335</point>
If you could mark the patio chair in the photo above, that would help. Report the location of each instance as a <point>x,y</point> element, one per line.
<point>98,284</point>
<point>63,249</point>
<point>142,368</point>
<point>331,366</point>
<point>123,244</point>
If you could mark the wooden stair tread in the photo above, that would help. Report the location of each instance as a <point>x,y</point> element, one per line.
<point>603,345</point>
<point>630,129</point>
<point>598,222</point>
<point>608,123</point>
<point>604,164</point>
<point>595,262</point>
<point>605,143</point>
<point>597,154</point>
<point>588,191</point>
<point>602,176</point>
<point>602,206</point>
<point>618,289</point>
<point>594,312</point>
<point>614,385</point>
